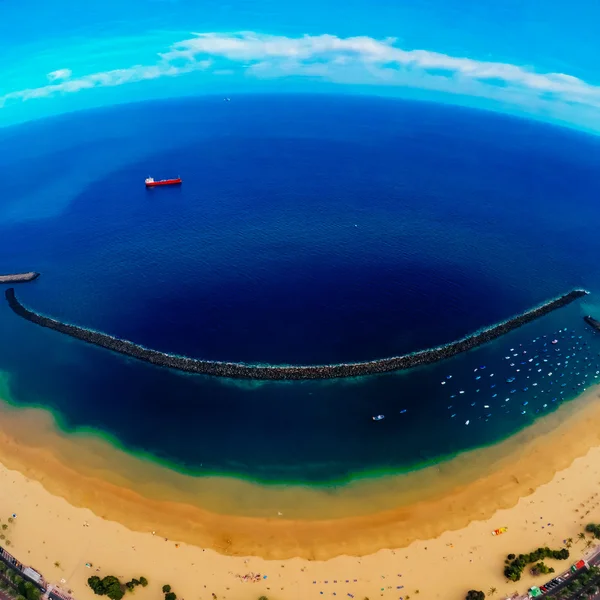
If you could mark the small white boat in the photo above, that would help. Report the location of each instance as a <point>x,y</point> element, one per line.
<point>379,418</point>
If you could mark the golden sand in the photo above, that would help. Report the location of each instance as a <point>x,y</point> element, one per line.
<point>373,531</point>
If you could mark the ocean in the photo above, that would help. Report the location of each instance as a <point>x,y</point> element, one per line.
<point>308,230</point>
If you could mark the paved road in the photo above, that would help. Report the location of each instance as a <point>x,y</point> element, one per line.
<point>593,560</point>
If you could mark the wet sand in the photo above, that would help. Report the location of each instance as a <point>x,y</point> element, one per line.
<point>383,527</point>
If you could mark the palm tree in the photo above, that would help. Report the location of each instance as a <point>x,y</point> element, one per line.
<point>588,544</point>
<point>57,564</point>
<point>492,591</point>
<point>581,535</point>
<point>569,542</point>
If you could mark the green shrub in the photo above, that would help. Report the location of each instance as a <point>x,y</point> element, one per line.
<point>31,591</point>
<point>109,586</point>
<point>96,584</point>
<point>593,529</point>
<point>131,585</point>
<point>542,569</point>
<point>112,587</point>
<point>515,568</point>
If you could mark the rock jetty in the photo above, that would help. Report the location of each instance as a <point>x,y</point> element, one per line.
<point>19,277</point>
<point>292,372</point>
<point>592,322</point>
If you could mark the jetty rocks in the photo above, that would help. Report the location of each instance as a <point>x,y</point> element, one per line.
<point>592,322</point>
<point>291,372</point>
<point>19,277</point>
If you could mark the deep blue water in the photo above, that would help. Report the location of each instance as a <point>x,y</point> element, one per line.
<point>307,230</point>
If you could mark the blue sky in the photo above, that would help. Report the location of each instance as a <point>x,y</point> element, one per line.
<point>531,58</point>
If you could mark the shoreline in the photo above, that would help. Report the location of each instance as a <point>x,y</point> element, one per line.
<point>238,370</point>
<point>242,518</point>
<point>540,490</point>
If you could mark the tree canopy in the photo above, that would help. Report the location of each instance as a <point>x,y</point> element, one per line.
<point>593,529</point>
<point>514,569</point>
<point>109,586</point>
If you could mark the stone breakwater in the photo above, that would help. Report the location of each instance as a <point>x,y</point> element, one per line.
<point>592,322</point>
<point>19,277</point>
<point>292,372</point>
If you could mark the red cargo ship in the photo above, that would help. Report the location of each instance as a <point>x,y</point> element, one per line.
<point>151,183</point>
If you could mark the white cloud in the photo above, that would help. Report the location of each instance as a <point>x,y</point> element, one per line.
<point>356,60</point>
<point>253,48</point>
<point>106,79</point>
<point>59,74</point>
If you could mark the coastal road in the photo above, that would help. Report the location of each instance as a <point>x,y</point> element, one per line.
<point>592,559</point>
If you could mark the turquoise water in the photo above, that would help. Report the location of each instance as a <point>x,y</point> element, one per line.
<point>307,230</point>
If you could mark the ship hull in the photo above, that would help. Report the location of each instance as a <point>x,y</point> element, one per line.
<point>163,182</point>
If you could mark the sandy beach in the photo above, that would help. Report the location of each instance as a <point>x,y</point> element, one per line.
<point>74,508</point>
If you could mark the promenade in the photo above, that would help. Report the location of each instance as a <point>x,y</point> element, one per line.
<point>49,591</point>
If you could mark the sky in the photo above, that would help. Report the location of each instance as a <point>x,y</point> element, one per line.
<point>532,58</point>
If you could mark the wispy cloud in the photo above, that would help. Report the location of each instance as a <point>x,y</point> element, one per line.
<point>333,54</point>
<point>59,74</point>
<point>111,78</point>
<point>356,60</point>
